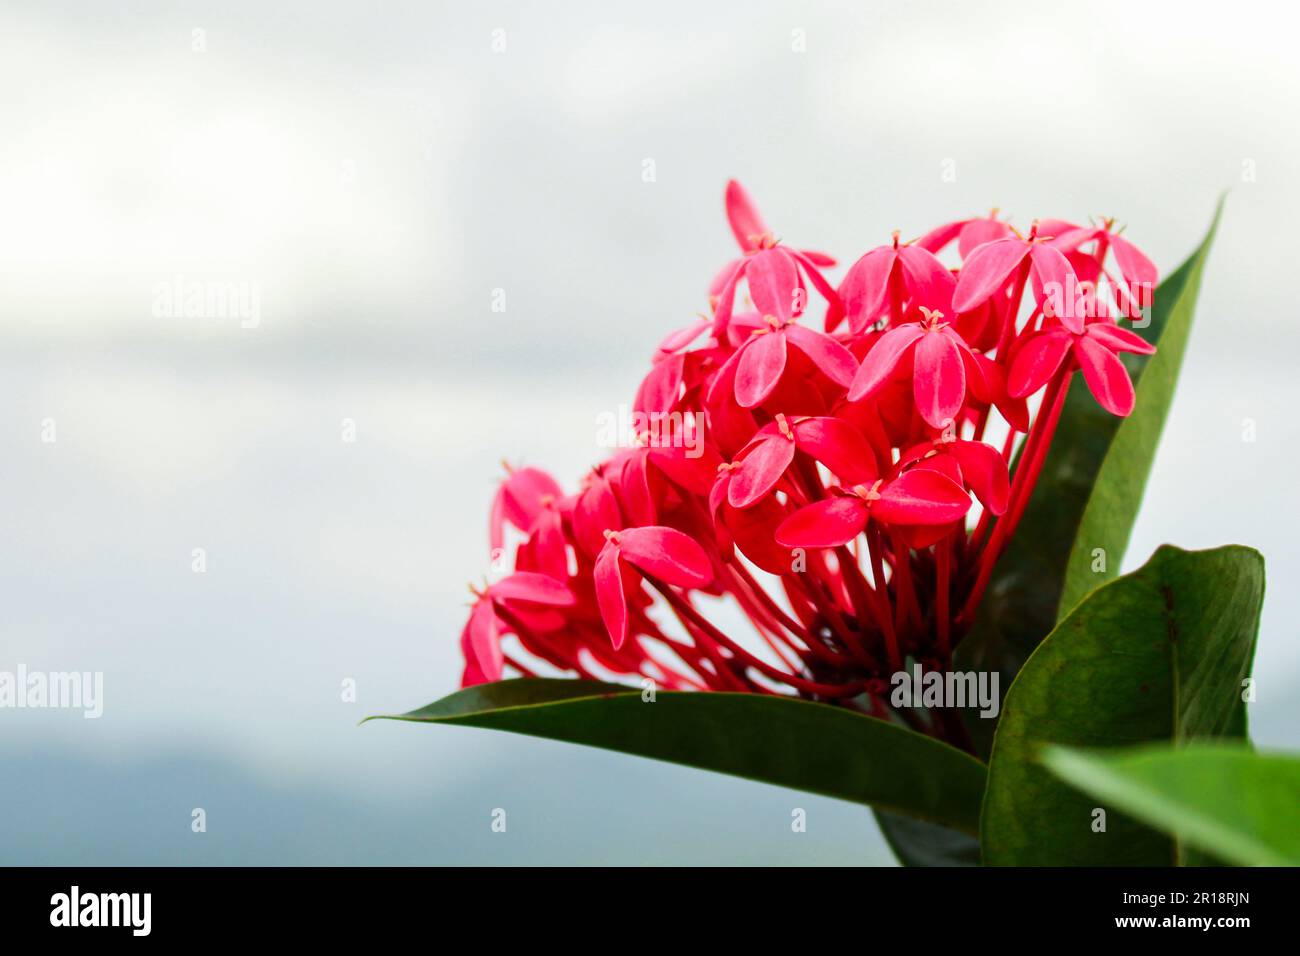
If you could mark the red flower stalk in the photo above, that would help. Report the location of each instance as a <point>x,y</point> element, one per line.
<point>834,487</point>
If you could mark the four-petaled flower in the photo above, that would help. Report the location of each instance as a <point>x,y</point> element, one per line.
<point>523,596</point>
<point>969,233</point>
<point>940,361</point>
<point>918,497</point>
<point>883,281</point>
<point>1095,349</point>
<point>662,553</point>
<point>773,272</point>
<point>992,266</point>
<point>760,465</point>
<point>1139,273</point>
<point>760,361</point>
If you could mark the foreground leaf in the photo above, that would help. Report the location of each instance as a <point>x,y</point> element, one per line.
<point>1225,799</point>
<point>776,740</point>
<point>917,843</point>
<point>1158,655</point>
<point>1087,495</point>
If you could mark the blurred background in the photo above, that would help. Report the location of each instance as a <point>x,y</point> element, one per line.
<point>378,180</point>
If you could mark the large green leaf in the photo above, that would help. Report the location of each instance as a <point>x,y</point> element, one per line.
<point>1158,655</point>
<point>1087,494</point>
<point>776,740</point>
<point>1112,507</point>
<point>1241,806</point>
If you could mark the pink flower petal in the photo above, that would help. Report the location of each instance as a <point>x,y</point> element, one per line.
<point>824,524</point>
<point>727,299</point>
<point>523,492</point>
<point>483,636</point>
<point>693,466</point>
<point>945,465</point>
<point>667,554</point>
<point>986,270</point>
<point>773,283</point>
<point>1049,228</point>
<point>882,360</point>
<point>472,675</point>
<point>1054,274</point>
<point>1133,264</point>
<point>752,531</point>
<point>811,270</point>
<point>534,588</point>
<point>497,522</point>
<point>936,239</point>
<point>979,231</point>
<point>1085,267</point>
<point>723,275</point>
<point>661,386</point>
<point>819,259</point>
<point>921,536</point>
<point>690,466</point>
<point>608,579</point>
<point>1069,238</point>
<point>1119,339</point>
<point>928,280</point>
<point>939,379</point>
<point>762,360</point>
<point>983,375</point>
<point>985,472</point>
<point>675,341</point>
<point>1036,361</point>
<point>724,382</point>
<point>1106,376</point>
<point>633,489</point>
<point>835,361</point>
<point>717,499</point>
<point>746,224</point>
<point>921,496</point>
<point>742,326</point>
<point>760,470</point>
<point>596,512</point>
<point>546,550</point>
<point>865,287</point>
<point>839,446</point>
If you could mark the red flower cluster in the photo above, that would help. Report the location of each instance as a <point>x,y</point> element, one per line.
<point>822,481</point>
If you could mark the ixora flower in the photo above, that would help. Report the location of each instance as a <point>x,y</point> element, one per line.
<point>855,488</point>
<point>1095,351</point>
<point>770,269</point>
<point>827,547</point>
<point>939,360</point>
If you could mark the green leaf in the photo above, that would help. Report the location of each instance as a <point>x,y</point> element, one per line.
<point>1087,494</point>
<point>777,740</point>
<point>917,843</point>
<point>1241,806</point>
<point>1112,507</point>
<point>1158,655</point>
